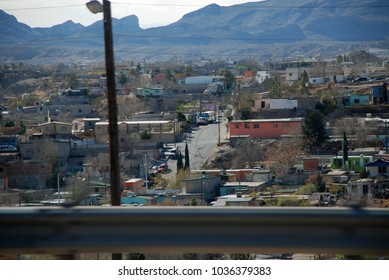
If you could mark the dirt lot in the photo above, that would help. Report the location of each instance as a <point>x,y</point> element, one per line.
<point>379,203</point>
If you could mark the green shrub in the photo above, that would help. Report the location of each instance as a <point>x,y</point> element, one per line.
<point>307,189</point>
<point>288,201</point>
<point>145,135</point>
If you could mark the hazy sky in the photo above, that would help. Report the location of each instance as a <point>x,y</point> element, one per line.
<point>46,13</point>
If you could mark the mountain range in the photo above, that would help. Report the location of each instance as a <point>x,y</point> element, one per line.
<point>262,30</point>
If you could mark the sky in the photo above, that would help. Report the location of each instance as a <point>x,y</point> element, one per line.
<point>46,13</point>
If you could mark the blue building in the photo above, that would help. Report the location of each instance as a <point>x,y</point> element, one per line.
<point>355,99</point>
<point>380,94</point>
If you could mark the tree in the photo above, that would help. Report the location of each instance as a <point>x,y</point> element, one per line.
<point>188,71</point>
<point>321,185</point>
<point>230,78</point>
<point>309,188</point>
<point>181,117</point>
<point>169,75</point>
<point>145,135</point>
<point>339,59</point>
<point>73,81</point>
<point>246,103</point>
<point>327,106</point>
<point>123,79</point>
<point>314,132</point>
<point>283,155</point>
<point>249,152</point>
<point>304,80</point>
<point>364,173</point>
<point>138,69</point>
<point>193,202</point>
<point>318,181</point>
<point>187,160</point>
<point>275,87</point>
<point>345,149</point>
<point>78,188</point>
<point>180,164</point>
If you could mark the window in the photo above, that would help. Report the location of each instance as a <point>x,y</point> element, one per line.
<point>256,125</point>
<point>285,124</point>
<point>246,125</point>
<point>275,125</point>
<point>236,125</point>
<point>365,189</point>
<point>382,169</point>
<point>64,128</point>
<point>356,101</point>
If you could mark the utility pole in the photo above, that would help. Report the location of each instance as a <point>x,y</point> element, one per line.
<point>112,106</point>
<point>146,171</point>
<point>58,190</point>
<point>96,7</point>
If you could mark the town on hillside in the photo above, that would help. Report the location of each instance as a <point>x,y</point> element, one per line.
<point>203,132</point>
<point>215,133</point>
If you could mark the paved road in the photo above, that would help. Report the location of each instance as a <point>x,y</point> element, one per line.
<point>201,143</point>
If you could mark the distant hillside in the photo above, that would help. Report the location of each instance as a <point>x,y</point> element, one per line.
<point>267,30</point>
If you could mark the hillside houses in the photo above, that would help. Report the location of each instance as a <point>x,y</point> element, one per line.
<point>68,132</point>
<point>57,145</point>
<point>149,133</point>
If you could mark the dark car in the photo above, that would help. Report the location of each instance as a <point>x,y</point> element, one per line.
<point>361,80</point>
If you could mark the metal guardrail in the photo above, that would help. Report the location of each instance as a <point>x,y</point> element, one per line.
<point>360,231</point>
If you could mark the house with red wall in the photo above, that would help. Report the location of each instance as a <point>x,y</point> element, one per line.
<point>266,128</point>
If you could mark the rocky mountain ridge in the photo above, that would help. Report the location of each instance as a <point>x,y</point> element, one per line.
<point>265,30</point>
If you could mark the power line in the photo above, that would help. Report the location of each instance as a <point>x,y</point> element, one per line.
<point>265,5</point>
<point>42,8</point>
<point>260,5</point>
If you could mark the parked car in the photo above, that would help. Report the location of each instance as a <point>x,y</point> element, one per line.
<point>361,80</point>
<point>149,183</point>
<point>163,167</point>
<point>202,121</point>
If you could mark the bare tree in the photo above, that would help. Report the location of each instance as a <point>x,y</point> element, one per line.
<point>250,152</point>
<point>78,187</point>
<point>282,155</point>
<point>357,129</point>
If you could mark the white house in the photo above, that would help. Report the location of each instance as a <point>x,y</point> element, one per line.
<point>274,104</point>
<point>150,92</point>
<point>293,74</point>
<point>316,80</point>
<point>362,188</point>
<point>204,80</point>
<point>262,76</point>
